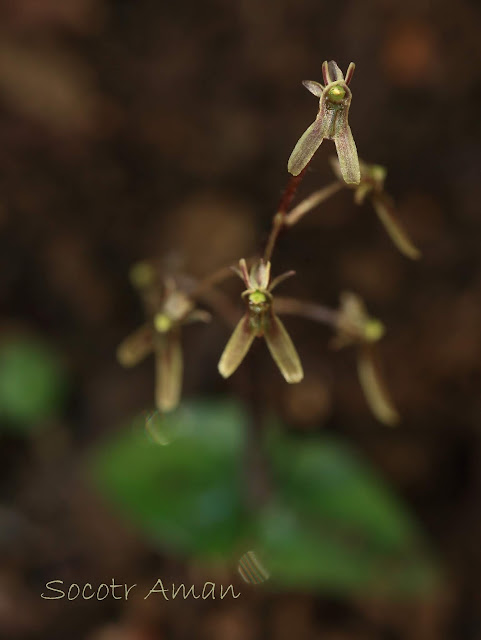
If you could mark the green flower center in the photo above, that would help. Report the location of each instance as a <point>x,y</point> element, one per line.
<point>257,297</point>
<point>162,323</point>
<point>336,94</point>
<point>141,275</point>
<point>373,330</point>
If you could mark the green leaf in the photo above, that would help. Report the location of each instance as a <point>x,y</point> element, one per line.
<point>300,554</point>
<point>331,523</point>
<point>337,525</point>
<point>32,383</point>
<point>186,495</point>
<point>325,480</point>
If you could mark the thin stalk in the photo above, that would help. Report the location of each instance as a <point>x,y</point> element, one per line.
<point>316,312</point>
<point>310,203</point>
<point>279,218</point>
<point>211,280</point>
<point>206,292</point>
<point>222,305</point>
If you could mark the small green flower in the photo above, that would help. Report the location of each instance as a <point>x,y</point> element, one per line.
<point>356,327</point>
<point>167,309</point>
<point>331,123</point>
<point>261,321</point>
<point>372,186</point>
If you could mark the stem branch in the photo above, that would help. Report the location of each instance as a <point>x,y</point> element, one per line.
<point>309,203</point>
<point>278,220</point>
<point>310,310</point>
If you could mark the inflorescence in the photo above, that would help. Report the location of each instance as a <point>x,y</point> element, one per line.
<point>170,303</point>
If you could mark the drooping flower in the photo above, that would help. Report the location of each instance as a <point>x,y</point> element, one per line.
<point>356,327</point>
<point>261,321</point>
<point>331,123</point>
<point>167,308</point>
<point>372,186</point>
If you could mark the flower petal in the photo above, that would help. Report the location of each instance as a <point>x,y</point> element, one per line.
<point>237,347</point>
<point>277,281</point>
<point>306,146</point>
<point>373,386</point>
<point>385,211</point>
<point>314,87</point>
<point>333,72</point>
<point>260,275</point>
<point>169,370</point>
<point>325,73</point>
<point>136,346</point>
<point>346,148</point>
<point>283,350</point>
<point>243,272</point>
<point>349,73</point>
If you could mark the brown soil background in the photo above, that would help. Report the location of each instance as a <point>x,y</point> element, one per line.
<point>137,129</point>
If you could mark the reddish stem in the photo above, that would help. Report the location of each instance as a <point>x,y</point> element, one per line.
<point>290,192</point>
<point>280,216</point>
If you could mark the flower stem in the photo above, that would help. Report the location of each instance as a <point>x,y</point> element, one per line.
<point>278,220</point>
<point>310,203</point>
<point>208,282</point>
<point>316,312</point>
<point>285,218</point>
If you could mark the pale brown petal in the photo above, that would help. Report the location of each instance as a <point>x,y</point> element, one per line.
<point>260,274</point>
<point>398,235</point>
<point>169,371</point>
<point>237,347</point>
<point>374,389</point>
<point>349,73</point>
<point>325,73</point>
<point>306,147</point>
<point>314,87</point>
<point>135,347</point>
<point>334,73</point>
<point>283,350</point>
<point>346,149</point>
<point>243,272</point>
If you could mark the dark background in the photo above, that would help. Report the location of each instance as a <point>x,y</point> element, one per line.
<point>135,129</point>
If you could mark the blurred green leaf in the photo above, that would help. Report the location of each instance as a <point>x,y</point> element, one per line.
<point>324,479</point>
<point>336,525</point>
<point>331,523</point>
<point>301,553</point>
<point>32,383</point>
<point>187,494</point>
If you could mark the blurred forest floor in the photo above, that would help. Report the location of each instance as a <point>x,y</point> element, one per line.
<point>138,129</point>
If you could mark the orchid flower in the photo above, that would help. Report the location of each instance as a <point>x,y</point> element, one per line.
<point>167,309</point>
<point>372,186</point>
<point>331,123</point>
<point>356,327</point>
<point>260,320</point>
